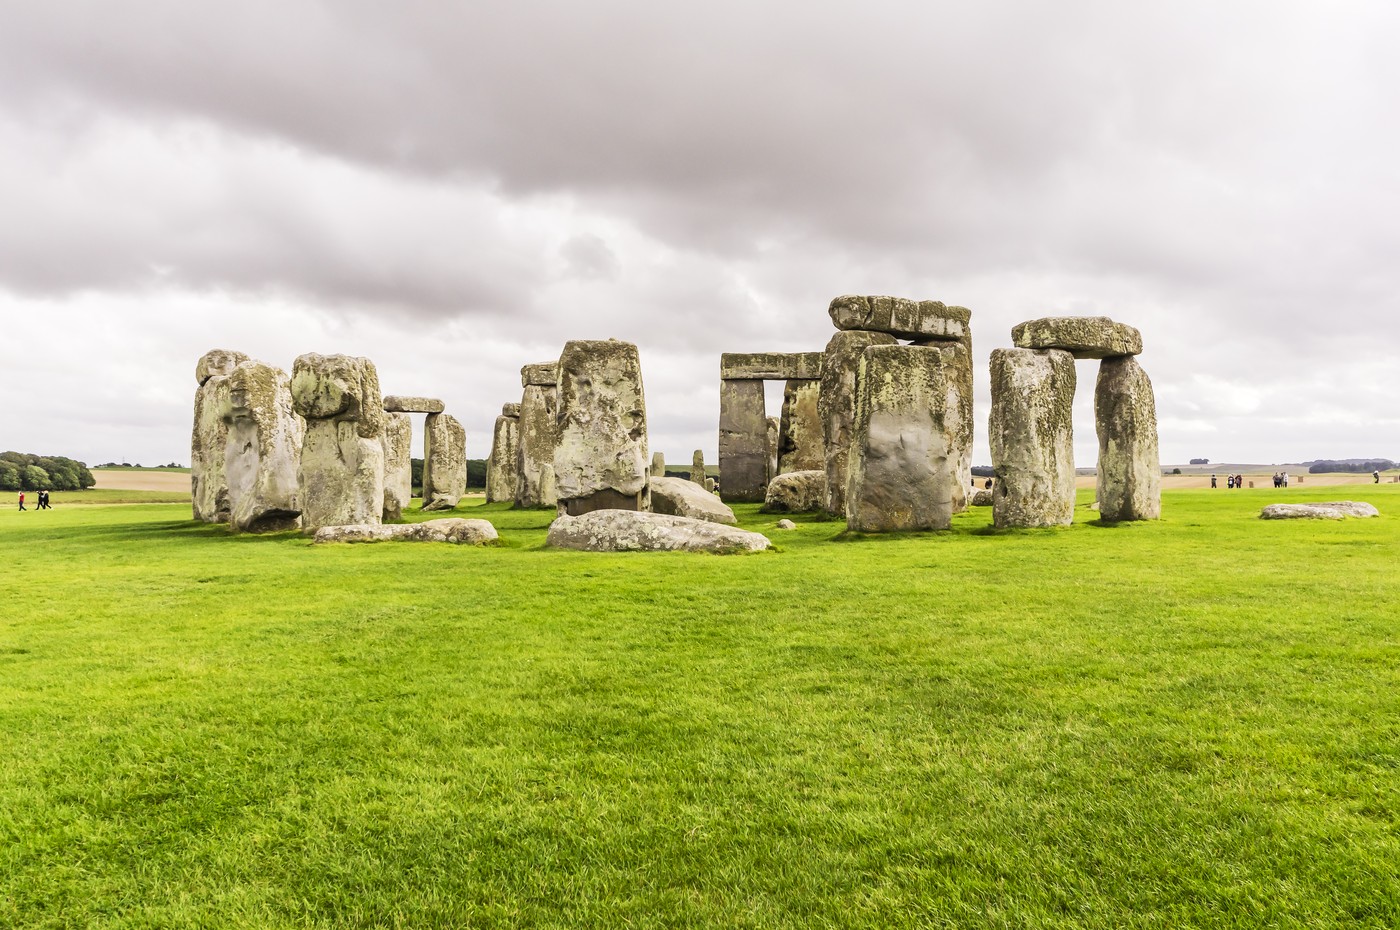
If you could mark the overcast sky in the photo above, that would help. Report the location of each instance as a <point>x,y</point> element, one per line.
<point>455,190</point>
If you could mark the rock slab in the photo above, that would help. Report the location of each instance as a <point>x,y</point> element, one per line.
<point>602,460</point>
<point>631,531</point>
<point>264,450</point>
<point>1330,510</point>
<point>681,498</point>
<point>770,366</point>
<point>450,530</point>
<point>1130,468</point>
<point>502,476</point>
<point>1032,437</point>
<point>1081,336</point>
<point>836,405</point>
<point>399,403</point>
<point>743,440</point>
<point>907,442</point>
<point>796,492</point>
<point>209,437</point>
<point>539,434</point>
<point>800,443</point>
<point>444,462</point>
<point>342,457</point>
<point>398,464</point>
<point>900,317</point>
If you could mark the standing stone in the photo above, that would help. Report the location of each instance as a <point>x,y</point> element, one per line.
<point>957,360</point>
<point>539,431</point>
<point>209,438</point>
<point>710,485</point>
<point>836,406</point>
<point>601,461</point>
<point>263,451</point>
<point>502,475</point>
<point>342,455</point>
<point>904,468</point>
<point>800,443</point>
<point>398,464</point>
<point>444,462</point>
<point>549,488</point>
<point>1032,437</point>
<point>658,465</point>
<point>697,467</point>
<point>771,472</point>
<point>1130,469</point>
<point>743,440</point>
<point>907,319</point>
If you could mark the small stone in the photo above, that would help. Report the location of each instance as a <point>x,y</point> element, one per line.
<point>634,531</point>
<point>1331,510</point>
<point>785,525</point>
<point>900,317</point>
<point>397,403</point>
<point>658,465</point>
<point>682,498</point>
<point>982,497</point>
<point>1081,336</point>
<point>796,492</point>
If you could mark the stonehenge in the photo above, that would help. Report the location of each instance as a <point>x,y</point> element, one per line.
<point>395,403</point>
<point>538,431</point>
<point>1129,467</point>
<point>800,442</point>
<point>263,450</point>
<point>1031,430</point>
<point>750,453</point>
<point>906,440</point>
<point>501,468</point>
<point>697,467</point>
<point>601,460</point>
<point>837,407</point>
<point>209,438</point>
<point>341,473</point>
<point>1088,337</point>
<point>901,318</point>
<point>444,462</point>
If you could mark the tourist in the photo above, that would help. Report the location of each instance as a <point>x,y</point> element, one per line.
<point>1285,479</point>
<point>1230,482</point>
<point>44,501</point>
<point>1376,476</point>
<point>21,500</point>
<point>1212,481</point>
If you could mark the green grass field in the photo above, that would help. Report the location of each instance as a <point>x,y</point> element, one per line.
<point>1189,723</point>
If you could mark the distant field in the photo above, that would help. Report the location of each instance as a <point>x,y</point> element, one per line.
<point>144,479</point>
<point>1189,723</point>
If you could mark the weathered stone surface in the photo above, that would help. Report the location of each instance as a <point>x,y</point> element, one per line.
<point>697,467</point>
<point>743,440</point>
<point>449,530</point>
<point>796,492</point>
<point>1081,336</point>
<point>711,485</point>
<point>1331,510</point>
<point>1130,468</point>
<point>957,360</point>
<point>342,458</point>
<point>398,464</point>
<point>602,460</point>
<point>682,498</point>
<point>836,405</point>
<point>658,465</point>
<point>209,436</point>
<point>982,497</point>
<point>217,362</point>
<point>629,531</point>
<point>905,453</point>
<point>771,465</point>
<point>444,462</point>
<point>784,525</point>
<point>897,316</point>
<point>263,451</point>
<point>800,443</point>
<point>549,488</point>
<point>398,403</point>
<point>1032,437</point>
<point>540,374</point>
<point>539,434</point>
<point>770,366</point>
<point>510,410</point>
<point>502,476</point>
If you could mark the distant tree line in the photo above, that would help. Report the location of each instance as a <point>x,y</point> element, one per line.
<point>476,475</point>
<point>1200,461</point>
<point>20,471</point>
<point>1350,466</point>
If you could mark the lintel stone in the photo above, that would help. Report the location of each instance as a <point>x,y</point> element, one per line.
<point>901,318</point>
<point>1080,336</point>
<point>540,374</point>
<point>770,366</point>
<point>396,403</point>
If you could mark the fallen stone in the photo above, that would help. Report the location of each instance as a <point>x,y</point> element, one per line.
<point>264,450</point>
<point>1032,437</point>
<point>905,444</point>
<point>796,492</point>
<point>633,531</point>
<point>982,497</point>
<point>1331,510</point>
<point>902,318</point>
<point>342,457</point>
<point>837,407</point>
<point>601,461</point>
<point>396,403</point>
<point>444,462</point>
<point>1130,468</point>
<point>785,525</point>
<point>398,464</point>
<point>449,530</point>
<point>770,366</point>
<point>1081,336</point>
<point>681,498</point>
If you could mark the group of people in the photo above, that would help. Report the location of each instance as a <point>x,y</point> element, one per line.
<point>1235,481</point>
<point>1281,479</point>
<point>42,499</point>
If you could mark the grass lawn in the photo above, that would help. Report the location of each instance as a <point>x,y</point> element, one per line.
<point>1194,722</point>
